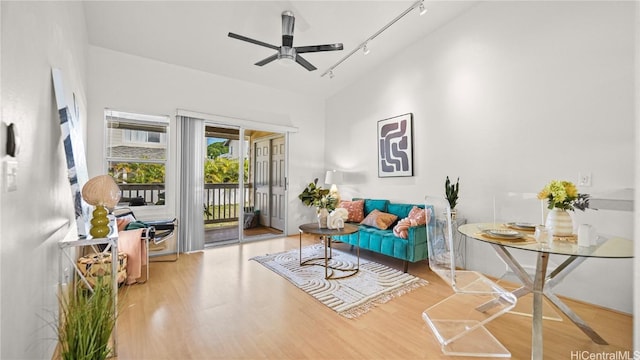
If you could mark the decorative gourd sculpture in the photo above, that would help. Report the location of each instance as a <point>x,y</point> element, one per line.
<point>336,218</point>
<point>103,193</point>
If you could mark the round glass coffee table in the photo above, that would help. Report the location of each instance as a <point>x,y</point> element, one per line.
<point>325,236</point>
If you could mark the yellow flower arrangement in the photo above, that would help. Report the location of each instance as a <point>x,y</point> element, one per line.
<point>564,195</point>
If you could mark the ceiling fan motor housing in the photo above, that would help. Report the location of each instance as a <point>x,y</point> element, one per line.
<point>287,53</point>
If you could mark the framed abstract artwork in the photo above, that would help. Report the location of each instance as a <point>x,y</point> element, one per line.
<point>395,146</point>
<point>74,152</point>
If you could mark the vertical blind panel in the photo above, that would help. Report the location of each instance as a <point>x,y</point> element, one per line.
<point>191,183</point>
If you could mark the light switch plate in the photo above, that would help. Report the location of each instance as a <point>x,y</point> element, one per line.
<point>11,175</point>
<point>584,179</point>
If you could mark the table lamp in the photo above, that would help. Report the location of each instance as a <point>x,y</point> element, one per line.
<point>103,193</point>
<point>333,178</point>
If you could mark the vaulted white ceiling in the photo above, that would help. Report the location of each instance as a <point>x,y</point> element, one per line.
<point>193,34</point>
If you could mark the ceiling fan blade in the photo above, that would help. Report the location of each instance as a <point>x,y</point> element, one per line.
<point>267,60</point>
<point>244,38</point>
<point>307,65</point>
<point>316,48</point>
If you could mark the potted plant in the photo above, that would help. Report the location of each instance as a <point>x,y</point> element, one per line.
<point>451,193</point>
<point>86,321</point>
<point>321,199</point>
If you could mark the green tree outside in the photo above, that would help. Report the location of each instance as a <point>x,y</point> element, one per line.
<point>138,173</point>
<point>216,149</point>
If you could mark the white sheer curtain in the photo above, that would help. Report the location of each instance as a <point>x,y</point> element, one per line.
<point>191,194</point>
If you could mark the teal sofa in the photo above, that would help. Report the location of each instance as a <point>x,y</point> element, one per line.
<point>412,249</point>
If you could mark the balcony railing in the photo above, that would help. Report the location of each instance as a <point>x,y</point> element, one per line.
<point>220,202</point>
<point>141,194</point>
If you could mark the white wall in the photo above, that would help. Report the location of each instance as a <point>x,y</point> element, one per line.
<point>507,96</point>
<point>130,83</point>
<point>35,37</point>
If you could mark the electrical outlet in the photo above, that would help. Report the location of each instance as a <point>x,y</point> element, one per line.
<point>584,179</point>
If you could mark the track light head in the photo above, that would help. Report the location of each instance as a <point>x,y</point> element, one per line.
<point>423,10</point>
<point>331,74</point>
<point>365,49</point>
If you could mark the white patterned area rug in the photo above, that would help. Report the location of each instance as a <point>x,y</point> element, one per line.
<point>350,297</point>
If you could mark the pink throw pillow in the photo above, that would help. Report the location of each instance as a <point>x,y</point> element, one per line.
<point>401,230</point>
<point>419,215</point>
<point>355,209</point>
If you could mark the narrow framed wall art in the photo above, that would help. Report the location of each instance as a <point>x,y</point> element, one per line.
<point>395,146</point>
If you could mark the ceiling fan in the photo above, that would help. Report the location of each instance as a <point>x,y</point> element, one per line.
<point>287,51</point>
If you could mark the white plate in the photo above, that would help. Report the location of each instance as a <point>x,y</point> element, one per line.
<point>522,226</point>
<point>525,224</point>
<point>503,234</point>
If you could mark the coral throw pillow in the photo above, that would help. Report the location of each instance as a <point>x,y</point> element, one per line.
<point>355,209</point>
<point>417,216</point>
<point>379,219</point>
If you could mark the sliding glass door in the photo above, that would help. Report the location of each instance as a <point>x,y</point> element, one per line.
<point>233,180</point>
<point>225,182</point>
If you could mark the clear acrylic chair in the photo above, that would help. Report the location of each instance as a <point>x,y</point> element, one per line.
<point>518,208</point>
<point>458,321</point>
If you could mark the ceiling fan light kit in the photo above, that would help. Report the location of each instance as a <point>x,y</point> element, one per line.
<point>364,45</point>
<point>287,52</point>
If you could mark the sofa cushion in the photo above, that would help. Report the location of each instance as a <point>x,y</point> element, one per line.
<point>374,204</point>
<point>379,219</point>
<point>355,209</point>
<point>401,210</point>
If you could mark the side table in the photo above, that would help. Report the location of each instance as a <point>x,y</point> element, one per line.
<point>325,235</point>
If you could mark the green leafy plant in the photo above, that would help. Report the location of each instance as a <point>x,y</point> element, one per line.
<point>86,321</point>
<point>451,192</point>
<point>314,195</point>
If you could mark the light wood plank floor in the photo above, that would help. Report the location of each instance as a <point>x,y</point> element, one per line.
<point>217,304</point>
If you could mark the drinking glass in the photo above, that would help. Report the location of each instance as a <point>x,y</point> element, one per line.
<point>542,236</point>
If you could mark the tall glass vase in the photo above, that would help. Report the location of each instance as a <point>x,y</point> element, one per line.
<point>323,214</point>
<point>559,222</point>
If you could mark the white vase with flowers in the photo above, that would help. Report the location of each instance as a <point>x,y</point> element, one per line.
<point>562,197</point>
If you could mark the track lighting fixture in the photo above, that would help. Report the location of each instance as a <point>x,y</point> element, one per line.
<point>363,46</point>
<point>423,10</point>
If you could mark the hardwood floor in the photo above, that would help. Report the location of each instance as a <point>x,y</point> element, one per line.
<point>217,304</point>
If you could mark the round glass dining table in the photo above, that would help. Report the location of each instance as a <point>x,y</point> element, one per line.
<point>542,284</point>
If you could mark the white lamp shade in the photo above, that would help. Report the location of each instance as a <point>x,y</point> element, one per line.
<point>333,177</point>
